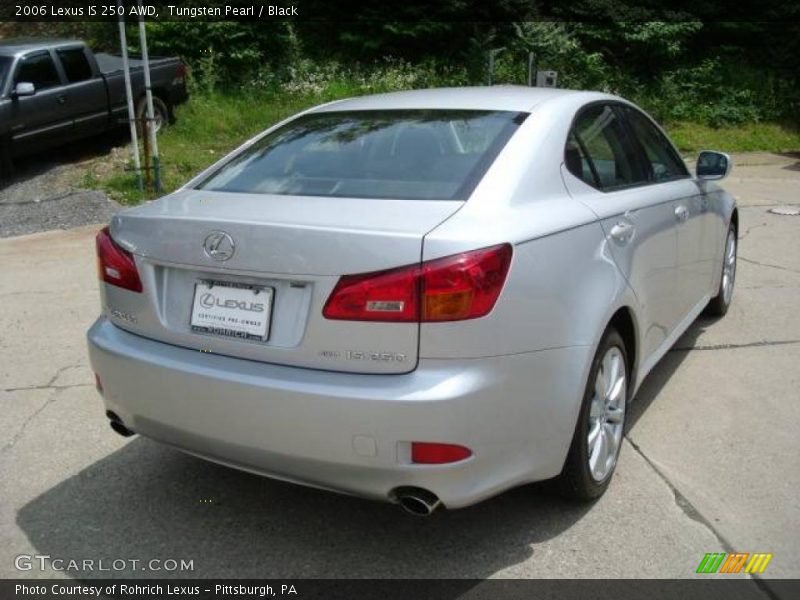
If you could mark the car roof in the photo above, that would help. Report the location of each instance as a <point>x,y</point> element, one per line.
<point>15,46</point>
<point>499,97</point>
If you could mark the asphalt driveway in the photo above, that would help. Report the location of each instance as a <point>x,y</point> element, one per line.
<point>711,460</point>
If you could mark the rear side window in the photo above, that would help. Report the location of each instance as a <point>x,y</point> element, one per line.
<point>399,154</point>
<point>599,138</point>
<point>5,65</point>
<point>662,162</point>
<point>39,70</point>
<point>76,65</point>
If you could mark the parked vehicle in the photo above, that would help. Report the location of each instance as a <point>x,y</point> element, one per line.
<point>426,297</point>
<point>56,91</point>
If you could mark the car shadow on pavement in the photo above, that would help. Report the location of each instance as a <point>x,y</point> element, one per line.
<point>147,501</point>
<point>794,166</point>
<point>661,374</point>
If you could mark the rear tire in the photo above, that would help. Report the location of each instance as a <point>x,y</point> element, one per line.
<point>161,113</point>
<point>598,434</point>
<point>718,306</point>
<point>6,166</point>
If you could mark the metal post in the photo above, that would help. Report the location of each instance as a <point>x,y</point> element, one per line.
<point>151,132</point>
<point>490,74</point>
<point>531,74</point>
<point>123,41</point>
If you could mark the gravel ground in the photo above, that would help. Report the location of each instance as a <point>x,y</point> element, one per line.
<point>46,191</point>
<point>62,211</point>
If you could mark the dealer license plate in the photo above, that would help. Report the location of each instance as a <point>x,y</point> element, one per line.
<point>240,311</point>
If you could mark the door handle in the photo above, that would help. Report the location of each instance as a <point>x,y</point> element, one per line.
<point>682,213</point>
<point>622,231</point>
<point>61,98</point>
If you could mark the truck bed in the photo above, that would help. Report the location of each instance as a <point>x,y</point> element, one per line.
<point>111,63</point>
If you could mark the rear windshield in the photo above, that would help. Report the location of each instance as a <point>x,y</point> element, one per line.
<point>401,154</point>
<point>5,65</point>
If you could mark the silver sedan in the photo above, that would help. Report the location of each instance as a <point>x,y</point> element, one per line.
<point>423,297</point>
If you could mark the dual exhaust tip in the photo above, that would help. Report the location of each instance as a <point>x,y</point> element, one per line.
<point>117,425</point>
<point>417,501</point>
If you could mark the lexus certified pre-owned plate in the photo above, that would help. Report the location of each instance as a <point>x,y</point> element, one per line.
<point>232,310</point>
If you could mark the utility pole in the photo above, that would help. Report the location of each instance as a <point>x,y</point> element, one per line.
<point>150,131</point>
<point>490,73</point>
<point>123,40</point>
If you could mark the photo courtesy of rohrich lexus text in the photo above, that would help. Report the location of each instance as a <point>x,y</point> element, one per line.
<point>399,300</point>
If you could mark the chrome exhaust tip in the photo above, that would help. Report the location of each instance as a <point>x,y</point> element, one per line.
<point>418,502</point>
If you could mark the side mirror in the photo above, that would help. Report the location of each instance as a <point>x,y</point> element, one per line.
<point>713,165</point>
<point>24,88</point>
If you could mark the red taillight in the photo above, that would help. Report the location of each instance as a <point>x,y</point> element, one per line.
<point>462,286</point>
<point>382,296</point>
<point>431,453</point>
<point>116,265</point>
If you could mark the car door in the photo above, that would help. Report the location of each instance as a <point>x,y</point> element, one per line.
<point>39,120</point>
<point>604,172</point>
<point>694,221</point>
<point>87,101</point>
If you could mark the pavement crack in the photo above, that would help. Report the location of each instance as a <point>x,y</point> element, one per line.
<point>768,265</point>
<point>749,229</point>
<point>23,428</point>
<point>51,383</point>
<point>682,501</point>
<point>46,387</point>
<point>56,390</point>
<point>691,511</point>
<point>763,343</point>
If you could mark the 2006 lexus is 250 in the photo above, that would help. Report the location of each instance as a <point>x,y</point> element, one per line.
<point>425,297</point>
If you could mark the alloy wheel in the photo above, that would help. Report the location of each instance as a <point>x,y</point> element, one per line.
<point>607,414</point>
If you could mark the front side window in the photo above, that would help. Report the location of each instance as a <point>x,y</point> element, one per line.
<point>75,64</point>
<point>600,138</point>
<point>399,154</point>
<point>662,161</point>
<point>39,70</point>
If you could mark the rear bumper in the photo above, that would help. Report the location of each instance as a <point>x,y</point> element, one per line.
<point>349,432</point>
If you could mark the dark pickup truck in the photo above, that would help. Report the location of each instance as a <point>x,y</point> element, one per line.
<point>56,91</point>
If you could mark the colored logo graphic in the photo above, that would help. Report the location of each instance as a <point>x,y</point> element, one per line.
<point>722,562</point>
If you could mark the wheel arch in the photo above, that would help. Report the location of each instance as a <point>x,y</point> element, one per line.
<point>624,321</point>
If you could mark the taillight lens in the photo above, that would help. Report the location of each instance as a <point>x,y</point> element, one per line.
<point>382,296</point>
<point>454,288</point>
<point>432,453</point>
<point>116,265</point>
<point>464,286</point>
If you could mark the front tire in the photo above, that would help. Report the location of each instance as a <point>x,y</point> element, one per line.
<point>598,434</point>
<point>718,306</point>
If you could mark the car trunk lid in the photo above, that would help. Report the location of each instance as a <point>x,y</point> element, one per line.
<point>293,248</point>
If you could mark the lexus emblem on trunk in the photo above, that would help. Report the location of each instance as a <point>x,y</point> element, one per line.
<point>219,245</point>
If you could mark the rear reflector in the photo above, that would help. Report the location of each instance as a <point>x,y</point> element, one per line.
<point>115,265</point>
<point>430,453</point>
<point>454,288</point>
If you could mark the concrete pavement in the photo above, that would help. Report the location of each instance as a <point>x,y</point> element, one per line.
<point>711,461</point>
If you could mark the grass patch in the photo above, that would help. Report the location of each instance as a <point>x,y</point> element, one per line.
<point>211,125</point>
<point>749,137</point>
